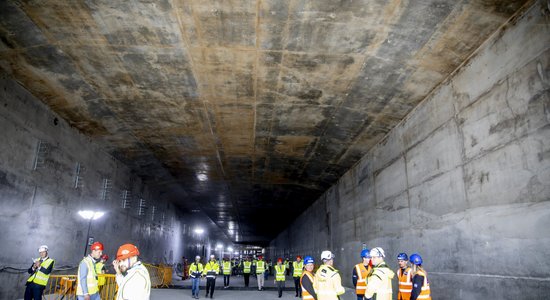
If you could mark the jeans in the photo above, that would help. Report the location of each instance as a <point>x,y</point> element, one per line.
<point>261,281</point>
<point>280,287</point>
<point>92,297</point>
<point>195,286</point>
<point>297,286</point>
<point>226,280</point>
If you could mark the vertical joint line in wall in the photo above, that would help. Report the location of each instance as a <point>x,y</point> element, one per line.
<point>32,199</point>
<point>407,189</point>
<point>461,139</point>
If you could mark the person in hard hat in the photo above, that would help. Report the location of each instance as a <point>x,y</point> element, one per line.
<point>247,268</point>
<point>100,269</point>
<point>39,274</point>
<point>379,281</point>
<point>297,268</point>
<point>404,277</point>
<point>421,284</point>
<point>280,271</point>
<point>360,273</point>
<point>195,272</point>
<point>87,286</point>
<point>327,282</point>
<point>132,278</point>
<point>260,269</point>
<point>211,270</point>
<point>306,280</point>
<point>226,266</point>
<point>288,266</point>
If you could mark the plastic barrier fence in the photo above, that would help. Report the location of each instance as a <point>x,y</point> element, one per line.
<point>63,287</point>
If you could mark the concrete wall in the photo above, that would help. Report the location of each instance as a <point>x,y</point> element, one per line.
<point>464,180</point>
<point>39,205</point>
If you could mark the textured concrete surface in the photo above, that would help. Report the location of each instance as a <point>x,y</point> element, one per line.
<point>40,199</point>
<point>243,107</point>
<point>171,294</point>
<point>464,180</point>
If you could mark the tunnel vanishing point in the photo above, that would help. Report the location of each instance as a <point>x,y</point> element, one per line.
<point>284,127</point>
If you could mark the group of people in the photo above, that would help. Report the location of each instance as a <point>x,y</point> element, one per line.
<point>132,278</point>
<point>372,277</point>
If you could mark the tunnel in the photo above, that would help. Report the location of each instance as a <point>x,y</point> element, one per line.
<point>279,128</point>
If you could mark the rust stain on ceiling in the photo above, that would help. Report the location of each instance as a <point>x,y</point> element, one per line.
<point>245,107</point>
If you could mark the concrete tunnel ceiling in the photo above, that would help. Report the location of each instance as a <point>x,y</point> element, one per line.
<point>244,110</point>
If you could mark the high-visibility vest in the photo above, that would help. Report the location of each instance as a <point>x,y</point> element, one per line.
<point>98,271</point>
<point>195,270</point>
<point>260,267</point>
<point>280,272</point>
<point>384,291</point>
<point>362,273</point>
<point>328,283</point>
<point>39,277</point>
<point>91,278</point>
<point>211,269</point>
<point>226,268</point>
<point>305,294</point>
<point>247,265</point>
<point>425,290</point>
<point>297,266</point>
<point>405,284</point>
<point>135,285</point>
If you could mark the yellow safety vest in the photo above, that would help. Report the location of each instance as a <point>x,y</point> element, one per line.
<point>226,268</point>
<point>247,266</point>
<point>195,270</point>
<point>280,272</point>
<point>211,269</point>
<point>99,270</point>
<point>298,266</point>
<point>91,278</point>
<point>260,267</point>
<point>39,277</point>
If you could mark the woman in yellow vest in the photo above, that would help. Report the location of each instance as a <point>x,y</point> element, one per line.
<point>360,273</point>
<point>226,267</point>
<point>40,273</point>
<point>280,271</point>
<point>421,285</point>
<point>306,281</point>
<point>404,277</point>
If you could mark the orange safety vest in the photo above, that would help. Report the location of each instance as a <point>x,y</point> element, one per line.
<point>362,274</point>
<point>305,294</point>
<point>405,284</point>
<point>425,291</point>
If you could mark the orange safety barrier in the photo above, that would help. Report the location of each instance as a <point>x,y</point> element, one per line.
<point>64,287</point>
<point>161,276</point>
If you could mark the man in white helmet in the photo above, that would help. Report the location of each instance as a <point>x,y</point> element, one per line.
<point>327,282</point>
<point>195,272</point>
<point>40,273</point>
<point>379,281</point>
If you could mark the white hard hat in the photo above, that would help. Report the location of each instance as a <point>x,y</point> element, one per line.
<point>327,255</point>
<point>43,248</point>
<point>197,257</point>
<point>212,256</point>
<point>377,252</point>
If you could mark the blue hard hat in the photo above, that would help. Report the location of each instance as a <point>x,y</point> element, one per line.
<point>402,256</point>
<point>416,259</point>
<point>365,253</point>
<point>308,260</point>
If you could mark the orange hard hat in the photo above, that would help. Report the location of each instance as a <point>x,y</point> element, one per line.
<point>279,259</point>
<point>126,251</point>
<point>97,246</point>
<point>298,257</point>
